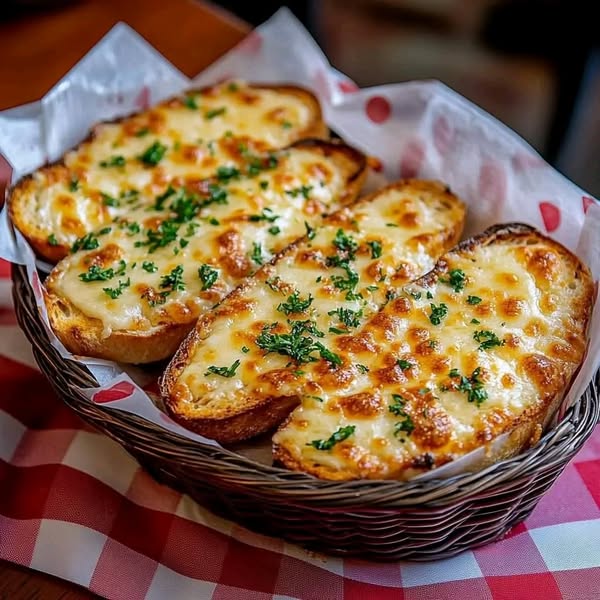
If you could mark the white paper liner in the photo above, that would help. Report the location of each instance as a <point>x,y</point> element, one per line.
<point>419,129</point>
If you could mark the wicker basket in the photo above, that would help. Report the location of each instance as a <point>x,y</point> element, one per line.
<point>383,520</point>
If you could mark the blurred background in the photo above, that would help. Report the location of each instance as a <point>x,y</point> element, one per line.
<point>534,64</point>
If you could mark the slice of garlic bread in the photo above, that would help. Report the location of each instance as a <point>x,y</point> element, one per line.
<point>290,330</point>
<point>133,289</point>
<point>180,142</point>
<point>484,344</point>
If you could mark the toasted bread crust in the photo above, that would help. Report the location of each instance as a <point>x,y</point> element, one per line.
<point>254,416</point>
<point>522,430</point>
<point>37,233</point>
<point>86,336</point>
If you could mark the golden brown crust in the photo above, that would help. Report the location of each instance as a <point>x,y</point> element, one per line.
<point>224,423</point>
<point>85,336</point>
<point>37,233</point>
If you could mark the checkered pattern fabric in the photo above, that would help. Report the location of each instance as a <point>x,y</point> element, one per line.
<point>73,503</point>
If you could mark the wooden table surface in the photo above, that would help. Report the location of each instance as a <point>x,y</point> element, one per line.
<point>36,50</point>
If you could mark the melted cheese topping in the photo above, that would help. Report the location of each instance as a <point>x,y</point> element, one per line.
<point>451,369</point>
<point>199,131</point>
<point>159,267</point>
<point>394,237</point>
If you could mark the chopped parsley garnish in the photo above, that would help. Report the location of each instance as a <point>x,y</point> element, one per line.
<point>223,371</point>
<point>294,304</point>
<point>174,280</point>
<point>264,185</point>
<point>338,436</point>
<point>133,228</point>
<point>88,242</point>
<point>487,339</point>
<point>114,293</point>
<point>347,316</point>
<point>406,425</point>
<point>391,225</point>
<point>404,364</point>
<point>149,266</point>
<point>113,161</point>
<point>257,255</point>
<point>52,240</point>
<point>473,299</point>
<point>227,173</point>
<point>362,368</point>
<point>375,248</point>
<point>142,132</point>
<point>153,154</point>
<point>159,202</point>
<point>159,238</point>
<point>346,244</point>
<point>438,313</point>
<point>424,391</point>
<point>109,200</point>
<point>328,355</point>
<point>245,349</point>
<point>95,273</point>
<point>311,232</point>
<point>274,230</point>
<point>456,279</point>
<point>215,112</point>
<point>475,321</point>
<point>415,295</point>
<point>286,125</point>
<point>208,276</point>
<point>73,185</point>
<point>303,190</point>
<point>472,386</point>
<point>347,283</point>
<point>265,215</point>
<point>233,87</point>
<point>190,102</point>
<point>296,344</point>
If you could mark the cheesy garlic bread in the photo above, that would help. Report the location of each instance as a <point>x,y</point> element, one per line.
<point>484,344</point>
<point>132,289</point>
<point>179,142</point>
<point>291,330</point>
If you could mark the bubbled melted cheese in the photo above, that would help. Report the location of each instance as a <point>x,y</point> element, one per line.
<point>531,300</point>
<point>67,202</point>
<point>222,236</point>
<point>411,225</point>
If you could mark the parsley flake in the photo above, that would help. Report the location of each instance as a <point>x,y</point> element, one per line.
<point>153,154</point>
<point>438,313</point>
<point>473,299</point>
<point>375,248</point>
<point>113,161</point>
<point>487,339</point>
<point>208,276</point>
<point>223,371</point>
<point>456,279</point>
<point>294,304</point>
<point>338,436</point>
<point>215,112</point>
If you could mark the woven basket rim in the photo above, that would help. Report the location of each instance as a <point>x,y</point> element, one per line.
<point>241,471</point>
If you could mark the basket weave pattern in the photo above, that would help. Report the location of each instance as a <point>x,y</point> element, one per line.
<point>379,520</point>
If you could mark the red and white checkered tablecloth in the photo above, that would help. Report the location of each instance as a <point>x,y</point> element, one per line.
<point>74,504</point>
